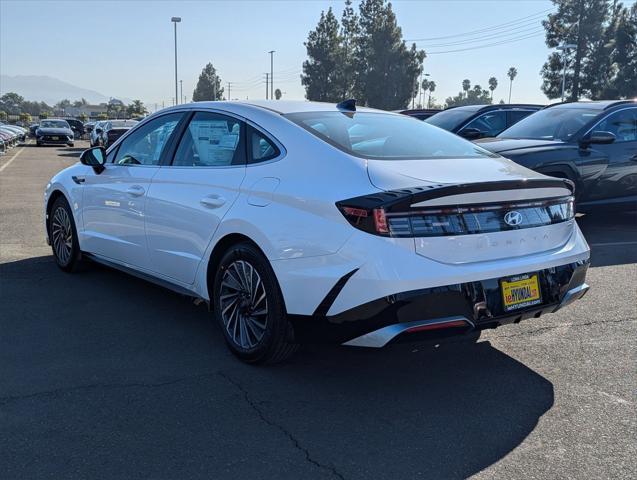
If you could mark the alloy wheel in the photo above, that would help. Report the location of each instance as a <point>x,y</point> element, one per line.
<point>62,235</point>
<point>244,304</point>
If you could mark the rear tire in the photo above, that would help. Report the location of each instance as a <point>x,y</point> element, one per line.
<point>63,236</point>
<point>249,307</point>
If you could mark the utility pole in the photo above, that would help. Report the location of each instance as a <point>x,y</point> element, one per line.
<point>271,52</point>
<point>266,85</point>
<point>175,21</point>
<point>181,91</point>
<point>564,49</point>
<point>229,83</point>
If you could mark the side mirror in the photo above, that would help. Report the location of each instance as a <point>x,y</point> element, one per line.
<point>470,133</point>
<point>94,157</point>
<point>98,130</point>
<point>598,137</point>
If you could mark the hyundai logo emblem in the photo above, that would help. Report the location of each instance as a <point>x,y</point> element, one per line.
<point>513,218</point>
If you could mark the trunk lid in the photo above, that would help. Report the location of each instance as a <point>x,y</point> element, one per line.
<point>467,210</point>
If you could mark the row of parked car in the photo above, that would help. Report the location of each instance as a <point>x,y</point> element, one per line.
<point>10,136</point>
<point>593,144</point>
<point>64,131</point>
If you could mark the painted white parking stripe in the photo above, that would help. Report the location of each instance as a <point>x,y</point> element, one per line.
<point>612,244</point>
<point>11,159</point>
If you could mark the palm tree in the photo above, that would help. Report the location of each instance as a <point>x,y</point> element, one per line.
<point>466,85</point>
<point>432,87</point>
<point>493,84</point>
<point>512,73</point>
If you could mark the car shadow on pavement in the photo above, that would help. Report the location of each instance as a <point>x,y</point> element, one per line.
<point>406,411</point>
<point>612,237</point>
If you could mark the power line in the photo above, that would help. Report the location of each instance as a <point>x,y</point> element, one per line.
<point>502,35</point>
<point>482,30</point>
<point>512,40</point>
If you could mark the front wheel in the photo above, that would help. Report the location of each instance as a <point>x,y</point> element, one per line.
<point>63,236</point>
<point>249,307</point>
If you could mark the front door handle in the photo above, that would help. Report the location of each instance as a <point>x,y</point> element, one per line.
<point>213,201</point>
<point>78,180</point>
<point>136,190</point>
<point>634,158</point>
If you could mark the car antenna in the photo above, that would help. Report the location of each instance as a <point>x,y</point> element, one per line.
<point>349,104</point>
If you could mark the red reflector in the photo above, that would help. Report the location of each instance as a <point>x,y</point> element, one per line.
<point>355,212</point>
<point>380,220</point>
<point>438,326</point>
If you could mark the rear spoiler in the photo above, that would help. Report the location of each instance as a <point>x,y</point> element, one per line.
<point>402,199</point>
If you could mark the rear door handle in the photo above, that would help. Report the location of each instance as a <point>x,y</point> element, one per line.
<point>634,158</point>
<point>213,201</point>
<point>136,190</point>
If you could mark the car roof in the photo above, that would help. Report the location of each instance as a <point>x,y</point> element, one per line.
<point>498,106</point>
<point>282,107</point>
<point>592,104</point>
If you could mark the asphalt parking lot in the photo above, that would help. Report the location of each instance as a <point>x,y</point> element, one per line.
<point>106,376</point>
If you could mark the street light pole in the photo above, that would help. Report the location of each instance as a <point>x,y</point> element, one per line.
<point>564,49</point>
<point>175,21</point>
<point>267,85</point>
<point>181,91</point>
<point>271,52</point>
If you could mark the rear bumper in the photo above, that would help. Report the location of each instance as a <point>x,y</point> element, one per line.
<point>439,311</point>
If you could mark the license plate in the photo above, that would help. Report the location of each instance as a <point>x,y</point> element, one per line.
<point>55,138</point>
<point>521,291</point>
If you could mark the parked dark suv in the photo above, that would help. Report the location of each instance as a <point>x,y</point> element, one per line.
<point>480,121</point>
<point>420,113</point>
<point>76,126</point>
<point>594,144</point>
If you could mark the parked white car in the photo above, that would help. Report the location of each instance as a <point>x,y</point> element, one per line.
<point>303,222</point>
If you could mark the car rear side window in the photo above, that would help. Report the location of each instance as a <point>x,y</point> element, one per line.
<point>145,145</point>
<point>211,140</point>
<point>262,148</point>
<point>384,136</point>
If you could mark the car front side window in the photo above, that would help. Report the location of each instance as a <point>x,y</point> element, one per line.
<point>490,124</point>
<point>145,145</point>
<point>622,124</point>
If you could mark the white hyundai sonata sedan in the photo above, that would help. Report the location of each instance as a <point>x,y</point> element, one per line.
<point>303,222</point>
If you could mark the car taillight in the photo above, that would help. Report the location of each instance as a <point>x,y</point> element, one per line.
<point>402,220</point>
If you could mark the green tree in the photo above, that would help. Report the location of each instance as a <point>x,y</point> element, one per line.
<point>623,84</point>
<point>431,87</point>
<point>466,85</point>
<point>11,102</point>
<point>512,73</point>
<point>83,117</point>
<point>80,103</point>
<point>475,95</point>
<point>578,22</point>
<point>208,86</point>
<point>387,70</point>
<point>102,116</point>
<point>136,109</point>
<point>3,116</point>
<point>323,76</point>
<point>278,94</point>
<point>25,118</point>
<point>493,84</point>
<point>349,34</point>
<point>44,114</point>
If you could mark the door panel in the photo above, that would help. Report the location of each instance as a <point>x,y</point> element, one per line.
<point>113,213</point>
<point>115,200</point>
<point>620,177</point>
<point>188,199</point>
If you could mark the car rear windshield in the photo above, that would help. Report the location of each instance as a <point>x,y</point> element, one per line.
<point>54,124</point>
<point>450,119</point>
<point>123,123</point>
<point>551,124</point>
<point>380,136</point>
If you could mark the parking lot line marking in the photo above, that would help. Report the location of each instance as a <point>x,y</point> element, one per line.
<point>612,244</point>
<point>12,159</point>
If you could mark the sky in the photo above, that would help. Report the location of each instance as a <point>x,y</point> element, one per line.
<point>126,49</point>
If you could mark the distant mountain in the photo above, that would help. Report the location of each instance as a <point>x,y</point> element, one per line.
<point>47,89</point>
